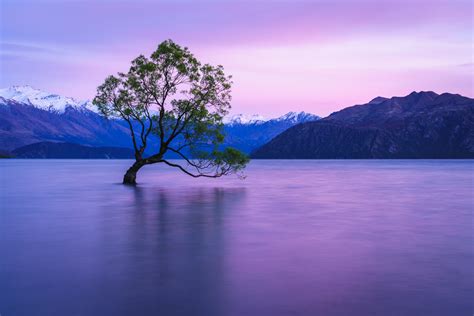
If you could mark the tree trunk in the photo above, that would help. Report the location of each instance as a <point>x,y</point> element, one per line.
<point>130,176</point>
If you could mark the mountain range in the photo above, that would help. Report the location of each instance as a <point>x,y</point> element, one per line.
<point>37,124</point>
<point>29,116</point>
<point>419,125</point>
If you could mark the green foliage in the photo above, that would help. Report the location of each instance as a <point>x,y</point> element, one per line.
<point>182,101</point>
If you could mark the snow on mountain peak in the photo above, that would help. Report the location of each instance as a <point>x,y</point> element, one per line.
<point>43,100</point>
<point>293,117</point>
<point>244,119</point>
<point>58,104</point>
<point>297,117</point>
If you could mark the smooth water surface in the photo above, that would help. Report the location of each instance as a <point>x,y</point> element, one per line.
<point>293,238</point>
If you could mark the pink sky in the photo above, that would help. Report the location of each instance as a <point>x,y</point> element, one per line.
<point>314,56</point>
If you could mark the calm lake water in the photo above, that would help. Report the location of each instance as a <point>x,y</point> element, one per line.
<point>293,238</point>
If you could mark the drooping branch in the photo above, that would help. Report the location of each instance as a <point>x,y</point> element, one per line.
<point>217,175</point>
<point>198,165</point>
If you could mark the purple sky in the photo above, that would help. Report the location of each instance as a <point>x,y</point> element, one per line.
<point>314,56</point>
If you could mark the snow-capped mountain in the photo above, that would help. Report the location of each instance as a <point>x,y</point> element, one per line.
<point>44,100</point>
<point>249,132</point>
<point>255,119</point>
<point>58,104</point>
<point>29,115</point>
<point>298,117</point>
<point>244,119</point>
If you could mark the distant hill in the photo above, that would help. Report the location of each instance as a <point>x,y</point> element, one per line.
<point>22,124</point>
<point>29,116</point>
<point>70,151</point>
<point>4,154</point>
<point>419,125</point>
<point>249,134</point>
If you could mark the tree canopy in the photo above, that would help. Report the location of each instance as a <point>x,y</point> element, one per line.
<point>179,100</point>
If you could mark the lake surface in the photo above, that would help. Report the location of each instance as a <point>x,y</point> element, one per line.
<point>293,238</point>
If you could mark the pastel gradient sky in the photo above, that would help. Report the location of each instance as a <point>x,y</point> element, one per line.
<point>314,56</point>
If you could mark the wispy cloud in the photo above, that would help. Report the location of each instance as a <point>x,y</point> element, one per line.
<point>283,54</point>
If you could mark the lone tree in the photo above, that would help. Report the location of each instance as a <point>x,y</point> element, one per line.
<point>181,101</point>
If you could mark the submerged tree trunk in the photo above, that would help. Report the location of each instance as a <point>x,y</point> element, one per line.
<point>130,176</point>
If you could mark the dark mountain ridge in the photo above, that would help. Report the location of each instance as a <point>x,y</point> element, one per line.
<point>419,125</point>
<point>71,151</point>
